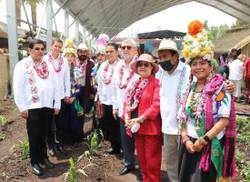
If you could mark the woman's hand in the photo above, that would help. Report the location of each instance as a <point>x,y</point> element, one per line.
<point>199,144</point>
<point>229,86</point>
<point>131,122</point>
<point>190,146</point>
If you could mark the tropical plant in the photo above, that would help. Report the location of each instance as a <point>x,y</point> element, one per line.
<point>24,148</point>
<point>3,120</point>
<point>73,173</point>
<point>33,5</point>
<point>2,136</point>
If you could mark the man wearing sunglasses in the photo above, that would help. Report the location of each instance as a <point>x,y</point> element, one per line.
<point>124,77</point>
<point>35,95</point>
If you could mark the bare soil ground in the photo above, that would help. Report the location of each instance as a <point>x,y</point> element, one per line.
<point>103,167</point>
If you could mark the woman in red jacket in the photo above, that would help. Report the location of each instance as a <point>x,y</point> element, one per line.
<point>142,117</point>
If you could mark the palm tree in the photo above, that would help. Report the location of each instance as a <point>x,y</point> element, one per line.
<point>18,11</point>
<point>33,5</point>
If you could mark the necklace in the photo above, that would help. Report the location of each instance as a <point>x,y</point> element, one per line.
<point>60,62</point>
<point>124,84</point>
<point>41,70</point>
<point>135,93</point>
<point>105,78</point>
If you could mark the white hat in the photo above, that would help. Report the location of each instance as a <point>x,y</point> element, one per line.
<point>128,42</point>
<point>166,44</point>
<point>83,46</point>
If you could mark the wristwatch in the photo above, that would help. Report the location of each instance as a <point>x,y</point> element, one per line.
<point>205,137</point>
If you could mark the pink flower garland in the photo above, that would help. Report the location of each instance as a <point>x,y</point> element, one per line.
<point>60,62</point>
<point>107,79</point>
<point>121,74</point>
<point>32,83</point>
<point>135,93</point>
<point>42,70</point>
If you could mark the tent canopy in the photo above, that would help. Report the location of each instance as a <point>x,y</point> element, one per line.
<point>112,16</point>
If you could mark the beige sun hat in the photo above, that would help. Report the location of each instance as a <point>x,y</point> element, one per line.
<point>166,44</point>
<point>146,58</point>
<point>82,46</point>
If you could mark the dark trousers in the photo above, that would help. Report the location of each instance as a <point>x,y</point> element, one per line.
<point>37,128</point>
<point>128,146</point>
<point>56,127</point>
<point>112,128</point>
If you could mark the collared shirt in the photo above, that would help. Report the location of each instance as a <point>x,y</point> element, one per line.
<point>63,76</point>
<point>236,69</point>
<point>46,88</point>
<point>169,98</point>
<point>121,94</point>
<point>106,91</point>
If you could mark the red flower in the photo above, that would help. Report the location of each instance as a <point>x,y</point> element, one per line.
<point>195,27</point>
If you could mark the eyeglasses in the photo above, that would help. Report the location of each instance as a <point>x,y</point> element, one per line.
<point>38,49</point>
<point>145,64</point>
<point>126,47</point>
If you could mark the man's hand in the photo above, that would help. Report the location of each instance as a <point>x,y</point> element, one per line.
<point>229,86</point>
<point>190,147</point>
<point>56,111</point>
<point>91,96</point>
<point>66,99</point>
<point>25,114</point>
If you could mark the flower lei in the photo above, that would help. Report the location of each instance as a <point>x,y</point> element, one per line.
<point>41,70</point>
<point>60,62</point>
<point>107,79</point>
<point>135,93</point>
<point>32,83</point>
<point>212,85</point>
<point>121,74</point>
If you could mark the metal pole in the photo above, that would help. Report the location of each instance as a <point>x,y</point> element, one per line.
<point>49,24</point>
<point>66,24</point>
<point>77,32</point>
<point>12,36</point>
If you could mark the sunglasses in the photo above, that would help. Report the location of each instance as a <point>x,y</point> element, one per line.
<point>145,64</point>
<point>38,49</point>
<point>126,47</point>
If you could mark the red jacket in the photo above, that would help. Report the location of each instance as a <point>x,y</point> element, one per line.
<point>149,107</point>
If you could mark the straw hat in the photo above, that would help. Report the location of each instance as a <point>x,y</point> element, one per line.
<point>166,44</point>
<point>147,58</point>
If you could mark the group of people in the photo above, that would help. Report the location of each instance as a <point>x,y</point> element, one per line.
<point>140,104</point>
<point>236,67</point>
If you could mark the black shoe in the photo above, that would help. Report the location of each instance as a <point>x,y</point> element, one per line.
<point>51,152</point>
<point>126,170</point>
<point>37,170</point>
<point>48,164</point>
<point>140,176</point>
<point>62,150</point>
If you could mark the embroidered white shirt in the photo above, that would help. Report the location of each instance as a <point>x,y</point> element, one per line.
<point>22,89</point>
<point>106,91</point>
<point>63,76</point>
<point>168,97</point>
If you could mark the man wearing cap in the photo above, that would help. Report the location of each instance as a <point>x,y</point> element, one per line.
<point>173,75</point>
<point>61,70</point>
<point>84,77</point>
<point>124,77</point>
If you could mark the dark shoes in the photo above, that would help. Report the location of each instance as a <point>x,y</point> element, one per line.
<point>113,151</point>
<point>37,170</point>
<point>48,164</point>
<point>126,170</point>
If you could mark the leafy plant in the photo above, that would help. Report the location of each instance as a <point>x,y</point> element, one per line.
<point>2,136</point>
<point>73,173</point>
<point>24,148</point>
<point>3,120</point>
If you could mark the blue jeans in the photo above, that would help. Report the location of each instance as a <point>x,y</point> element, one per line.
<point>128,146</point>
